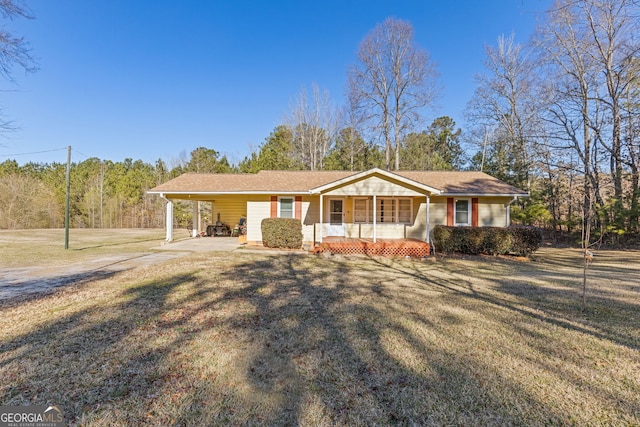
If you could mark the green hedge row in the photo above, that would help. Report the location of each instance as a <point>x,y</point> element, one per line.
<point>281,233</point>
<point>519,240</point>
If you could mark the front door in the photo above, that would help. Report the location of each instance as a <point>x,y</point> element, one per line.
<point>336,218</point>
<point>335,212</point>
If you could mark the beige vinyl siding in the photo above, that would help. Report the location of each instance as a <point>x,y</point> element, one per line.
<point>374,185</point>
<point>258,208</point>
<point>230,208</point>
<point>310,210</point>
<point>417,230</point>
<point>492,212</point>
<point>438,211</point>
<point>348,210</point>
<point>310,215</point>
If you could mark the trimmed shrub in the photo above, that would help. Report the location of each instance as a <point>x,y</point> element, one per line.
<point>487,240</point>
<point>526,239</point>
<point>498,242</point>
<point>472,240</point>
<point>442,239</point>
<point>281,233</point>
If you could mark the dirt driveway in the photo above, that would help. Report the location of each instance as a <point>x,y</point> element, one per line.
<point>15,282</point>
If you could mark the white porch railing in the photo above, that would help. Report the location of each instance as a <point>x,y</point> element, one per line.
<point>362,231</point>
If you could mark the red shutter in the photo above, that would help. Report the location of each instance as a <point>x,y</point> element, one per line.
<point>298,208</point>
<point>450,211</point>
<point>274,206</point>
<point>474,212</point>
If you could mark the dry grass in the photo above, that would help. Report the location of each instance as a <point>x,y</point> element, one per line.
<point>30,248</point>
<point>244,338</point>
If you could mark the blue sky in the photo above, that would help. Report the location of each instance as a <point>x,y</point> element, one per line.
<point>152,79</point>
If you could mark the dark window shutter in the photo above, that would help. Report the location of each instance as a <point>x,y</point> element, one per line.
<point>298,208</point>
<point>274,206</point>
<point>474,212</point>
<point>450,211</point>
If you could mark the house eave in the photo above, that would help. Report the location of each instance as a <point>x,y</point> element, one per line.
<point>483,195</point>
<point>371,172</point>
<point>222,193</point>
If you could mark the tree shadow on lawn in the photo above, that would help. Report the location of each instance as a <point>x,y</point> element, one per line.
<point>94,360</point>
<point>14,292</point>
<point>583,342</point>
<point>542,294</point>
<point>606,263</point>
<point>328,353</point>
<point>273,340</point>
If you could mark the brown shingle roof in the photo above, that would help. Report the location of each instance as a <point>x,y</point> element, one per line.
<point>303,181</point>
<point>462,182</point>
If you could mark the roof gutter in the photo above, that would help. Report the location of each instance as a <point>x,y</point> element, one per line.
<point>512,201</point>
<point>225,193</point>
<point>507,207</point>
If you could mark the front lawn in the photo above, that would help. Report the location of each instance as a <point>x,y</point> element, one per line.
<point>244,338</point>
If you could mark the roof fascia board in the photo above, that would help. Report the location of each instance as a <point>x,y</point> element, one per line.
<point>218,193</point>
<point>371,172</point>
<point>483,195</point>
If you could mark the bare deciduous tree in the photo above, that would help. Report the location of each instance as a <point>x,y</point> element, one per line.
<point>314,125</point>
<point>392,82</point>
<point>14,51</point>
<point>591,53</point>
<point>611,26</point>
<point>505,101</point>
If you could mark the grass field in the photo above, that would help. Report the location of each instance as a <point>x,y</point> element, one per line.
<point>253,338</point>
<point>29,248</point>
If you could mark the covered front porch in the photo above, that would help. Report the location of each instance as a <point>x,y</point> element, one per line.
<point>374,206</point>
<point>380,247</point>
<point>372,217</point>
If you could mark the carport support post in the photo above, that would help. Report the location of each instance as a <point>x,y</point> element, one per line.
<point>169,225</point>
<point>428,219</point>
<point>199,223</point>
<point>195,218</point>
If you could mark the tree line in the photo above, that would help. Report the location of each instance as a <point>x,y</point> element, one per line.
<point>108,194</point>
<point>557,116</point>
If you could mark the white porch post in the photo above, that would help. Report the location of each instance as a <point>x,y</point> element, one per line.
<point>195,218</point>
<point>321,211</point>
<point>199,224</point>
<point>169,221</point>
<point>428,219</point>
<point>375,206</point>
<point>508,222</point>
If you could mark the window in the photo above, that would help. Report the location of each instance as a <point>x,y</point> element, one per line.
<point>285,207</point>
<point>360,210</point>
<point>388,210</point>
<point>462,212</point>
<point>404,211</point>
